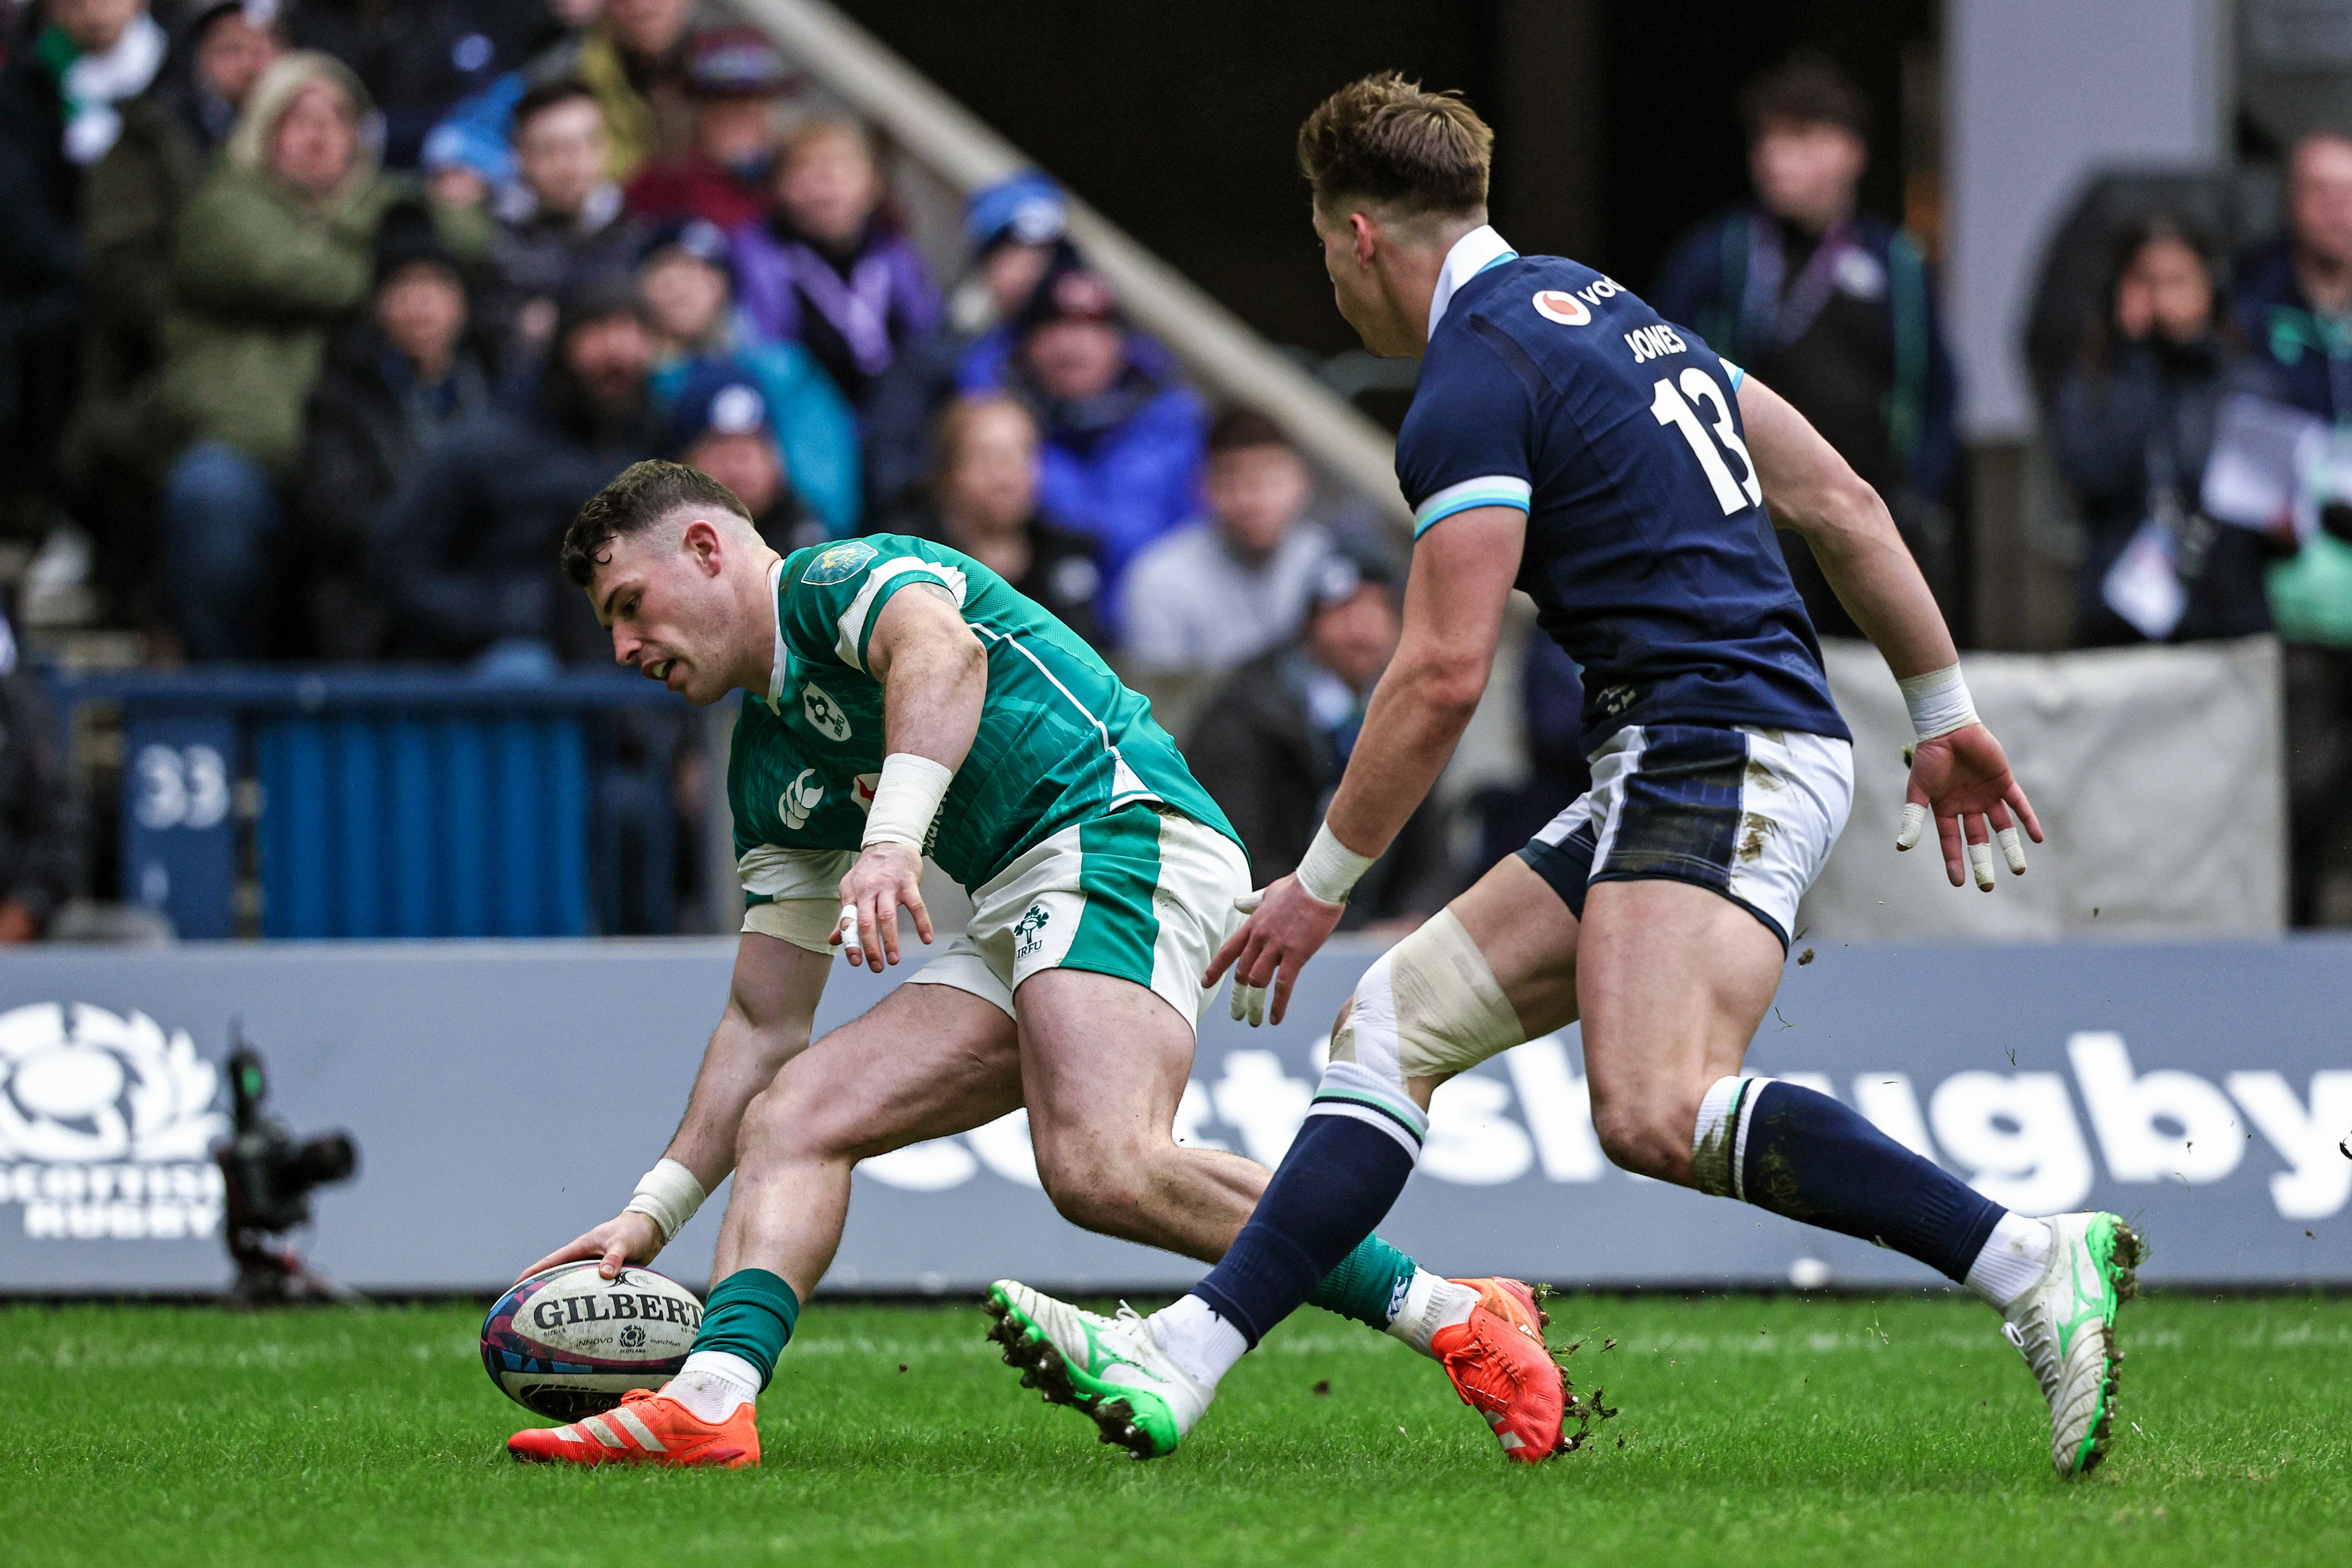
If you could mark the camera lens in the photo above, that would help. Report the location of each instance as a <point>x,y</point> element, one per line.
<point>328,1157</point>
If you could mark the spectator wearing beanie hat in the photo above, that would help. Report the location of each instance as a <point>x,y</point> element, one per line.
<point>734,80</point>
<point>1123,434</point>
<point>1014,228</point>
<point>687,278</point>
<point>826,267</point>
<point>399,378</point>
<point>720,424</point>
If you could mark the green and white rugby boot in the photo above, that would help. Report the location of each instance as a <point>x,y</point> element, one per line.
<point>1109,1369</point>
<point>2065,1327</point>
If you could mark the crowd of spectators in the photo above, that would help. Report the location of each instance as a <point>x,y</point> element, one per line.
<point>320,319</point>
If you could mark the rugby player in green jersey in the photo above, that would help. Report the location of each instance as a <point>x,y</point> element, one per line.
<point>904,700</point>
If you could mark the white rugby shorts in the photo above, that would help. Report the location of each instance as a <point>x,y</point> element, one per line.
<point>1145,893</point>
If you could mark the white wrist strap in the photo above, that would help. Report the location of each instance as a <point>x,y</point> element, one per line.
<point>1938,701</point>
<point>906,800</point>
<point>1331,869</point>
<point>668,1194</point>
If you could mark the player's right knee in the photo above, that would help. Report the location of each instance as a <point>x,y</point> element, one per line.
<point>1428,1008</point>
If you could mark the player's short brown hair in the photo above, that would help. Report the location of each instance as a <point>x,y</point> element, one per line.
<point>644,495</point>
<point>1383,140</point>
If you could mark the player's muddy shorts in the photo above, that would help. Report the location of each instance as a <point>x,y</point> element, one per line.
<point>1145,894</point>
<point>1749,814</point>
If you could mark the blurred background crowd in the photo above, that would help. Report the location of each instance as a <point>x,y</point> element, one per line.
<point>320,319</point>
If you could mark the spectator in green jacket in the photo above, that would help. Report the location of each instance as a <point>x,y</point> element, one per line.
<point>275,249</point>
<point>113,450</point>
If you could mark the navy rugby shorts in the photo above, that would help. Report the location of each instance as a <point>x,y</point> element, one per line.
<point>1750,813</point>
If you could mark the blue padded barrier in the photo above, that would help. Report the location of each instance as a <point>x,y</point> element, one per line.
<point>418,804</point>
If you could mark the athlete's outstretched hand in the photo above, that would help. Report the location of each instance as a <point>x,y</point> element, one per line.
<point>887,876</point>
<point>1963,780</point>
<point>1285,928</point>
<point>627,1238</point>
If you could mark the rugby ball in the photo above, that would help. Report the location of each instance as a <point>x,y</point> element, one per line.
<point>567,1342</point>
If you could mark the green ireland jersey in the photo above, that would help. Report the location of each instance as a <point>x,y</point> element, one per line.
<point>1061,740</point>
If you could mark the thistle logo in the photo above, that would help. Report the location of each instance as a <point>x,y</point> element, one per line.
<point>1029,929</point>
<point>106,1125</point>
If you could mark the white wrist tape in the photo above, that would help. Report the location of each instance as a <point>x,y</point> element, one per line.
<point>1939,702</point>
<point>906,800</point>
<point>1331,869</point>
<point>668,1194</point>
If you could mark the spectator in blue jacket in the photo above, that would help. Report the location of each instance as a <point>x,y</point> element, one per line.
<point>687,280</point>
<point>1833,309</point>
<point>1124,435</point>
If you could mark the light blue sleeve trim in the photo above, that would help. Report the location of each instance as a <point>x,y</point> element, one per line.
<point>1738,374</point>
<point>1493,489</point>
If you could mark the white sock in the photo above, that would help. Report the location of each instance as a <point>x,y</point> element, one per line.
<point>1430,1303</point>
<point>2015,1257</point>
<point>712,1383</point>
<point>1198,1340</point>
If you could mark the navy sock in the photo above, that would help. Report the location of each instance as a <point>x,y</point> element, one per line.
<point>1341,1173</point>
<point>1808,1157</point>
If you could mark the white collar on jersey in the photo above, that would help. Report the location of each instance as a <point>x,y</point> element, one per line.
<point>1472,254</point>
<point>776,659</point>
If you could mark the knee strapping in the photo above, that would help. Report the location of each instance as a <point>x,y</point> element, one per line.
<point>1428,1006</point>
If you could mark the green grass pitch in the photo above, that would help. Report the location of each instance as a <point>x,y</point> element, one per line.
<point>1752,1431</point>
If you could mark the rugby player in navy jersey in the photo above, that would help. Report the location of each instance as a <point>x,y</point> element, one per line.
<point>1565,440</point>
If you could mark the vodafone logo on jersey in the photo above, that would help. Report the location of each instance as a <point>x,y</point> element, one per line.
<point>1559,305</point>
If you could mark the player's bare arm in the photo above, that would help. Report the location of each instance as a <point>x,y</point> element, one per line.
<point>934,676</point>
<point>1961,776</point>
<point>771,1009</point>
<point>1453,605</point>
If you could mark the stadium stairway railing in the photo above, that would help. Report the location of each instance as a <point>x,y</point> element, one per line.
<point>374,803</point>
<point>1221,352</point>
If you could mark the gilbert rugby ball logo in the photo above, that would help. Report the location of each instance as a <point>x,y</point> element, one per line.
<point>1559,305</point>
<point>106,1125</point>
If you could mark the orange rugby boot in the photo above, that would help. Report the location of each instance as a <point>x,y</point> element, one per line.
<point>1513,1302</point>
<point>1501,1369</point>
<point>644,1429</point>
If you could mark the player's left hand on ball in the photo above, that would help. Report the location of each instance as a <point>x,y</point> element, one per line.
<point>1285,928</point>
<point>886,878</point>
<point>1963,780</point>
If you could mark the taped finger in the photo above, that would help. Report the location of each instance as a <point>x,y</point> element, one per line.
<point>1249,1004</point>
<point>2012,845</point>
<point>1980,863</point>
<point>1248,902</point>
<point>847,927</point>
<point>1914,823</point>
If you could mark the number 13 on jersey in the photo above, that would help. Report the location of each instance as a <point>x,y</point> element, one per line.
<point>1672,407</point>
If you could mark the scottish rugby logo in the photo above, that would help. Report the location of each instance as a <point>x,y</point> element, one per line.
<point>106,1125</point>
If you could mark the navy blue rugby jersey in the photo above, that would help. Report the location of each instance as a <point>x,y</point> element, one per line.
<point>1650,556</point>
